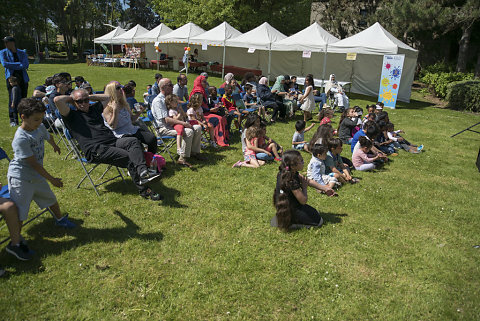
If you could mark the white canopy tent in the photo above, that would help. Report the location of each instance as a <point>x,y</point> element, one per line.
<point>109,36</point>
<point>182,35</point>
<point>153,35</point>
<point>313,38</point>
<point>262,37</point>
<point>217,37</point>
<point>130,35</point>
<point>370,45</point>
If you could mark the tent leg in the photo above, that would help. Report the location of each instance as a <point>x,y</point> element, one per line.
<point>269,60</point>
<point>223,62</point>
<point>324,64</point>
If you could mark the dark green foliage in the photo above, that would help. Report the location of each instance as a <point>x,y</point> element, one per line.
<point>438,82</point>
<point>464,95</point>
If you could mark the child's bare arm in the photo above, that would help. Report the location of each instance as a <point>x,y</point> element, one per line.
<point>309,127</point>
<point>51,141</point>
<point>32,161</point>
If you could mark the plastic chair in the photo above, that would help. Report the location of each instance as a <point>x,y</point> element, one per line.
<point>5,193</point>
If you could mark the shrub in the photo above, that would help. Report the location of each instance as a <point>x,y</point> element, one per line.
<point>464,95</point>
<point>438,82</point>
<point>436,68</point>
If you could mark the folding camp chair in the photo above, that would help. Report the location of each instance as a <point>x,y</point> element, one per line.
<point>4,193</point>
<point>165,142</point>
<point>85,163</point>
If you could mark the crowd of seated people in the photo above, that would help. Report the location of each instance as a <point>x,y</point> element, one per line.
<point>107,127</point>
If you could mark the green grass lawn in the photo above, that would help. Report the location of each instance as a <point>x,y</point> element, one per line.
<point>396,246</point>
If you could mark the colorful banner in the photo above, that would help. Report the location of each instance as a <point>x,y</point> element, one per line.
<point>392,68</point>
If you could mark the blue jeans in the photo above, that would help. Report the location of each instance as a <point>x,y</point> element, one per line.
<point>264,157</point>
<point>322,99</point>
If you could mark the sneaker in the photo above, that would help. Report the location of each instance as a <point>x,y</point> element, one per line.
<point>237,164</point>
<point>419,148</point>
<point>147,175</point>
<point>213,144</point>
<point>18,252</point>
<point>65,222</point>
<point>278,159</point>
<point>24,246</point>
<point>12,124</point>
<point>148,193</point>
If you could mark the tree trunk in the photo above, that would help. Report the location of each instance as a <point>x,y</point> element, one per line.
<point>464,43</point>
<point>477,67</point>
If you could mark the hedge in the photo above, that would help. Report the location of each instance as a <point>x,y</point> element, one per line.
<point>439,81</point>
<point>464,95</point>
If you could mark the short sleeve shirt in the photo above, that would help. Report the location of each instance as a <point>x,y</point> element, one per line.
<point>298,137</point>
<point>160,111</point>
<point>181,92</point>
<point>26,144</point>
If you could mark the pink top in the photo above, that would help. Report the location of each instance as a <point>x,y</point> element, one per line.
<point>359,158</point>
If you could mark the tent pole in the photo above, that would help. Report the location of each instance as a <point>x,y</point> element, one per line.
<point>269,60</point>
<point>223,62</point>
<point>157,60</point>
<point>113,61</point>
<point>324,63</point>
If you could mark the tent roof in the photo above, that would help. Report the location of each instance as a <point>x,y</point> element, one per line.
<point>130,35</point>
<point>154,34</point>
<point>312,38</point>
<point>107,37</point>
<point>259,38</point>
<point>217,35</point>
<point>373,40</point>
<point>182,34</point>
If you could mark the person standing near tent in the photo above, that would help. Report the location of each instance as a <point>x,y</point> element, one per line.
<point>333,87</point>
<point>15,62</point>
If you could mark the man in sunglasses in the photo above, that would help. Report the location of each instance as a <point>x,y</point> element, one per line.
<point>98,142</point>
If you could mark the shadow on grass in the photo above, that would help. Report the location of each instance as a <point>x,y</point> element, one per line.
<point>41,234</point>
<point>332,218</point>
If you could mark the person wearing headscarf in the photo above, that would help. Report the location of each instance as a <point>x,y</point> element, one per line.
<point>228,78</point>
<point>282,95</point>
<point>219,122</point>
<point>332,87</point>
<point>268,99</point>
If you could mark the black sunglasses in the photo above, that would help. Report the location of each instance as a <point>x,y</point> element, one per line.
<point>82,101</point>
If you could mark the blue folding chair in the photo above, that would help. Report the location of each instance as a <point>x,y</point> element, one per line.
<point>165,142</point>
<point>5,193</point>
<point>85,163</point>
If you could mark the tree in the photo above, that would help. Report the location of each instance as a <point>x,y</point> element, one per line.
<point>244,15</point>
<point>140,12</point>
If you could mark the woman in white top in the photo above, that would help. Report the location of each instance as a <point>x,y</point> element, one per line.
<point>332,86</point>
<point>118,117</point>
<point>307,100</point>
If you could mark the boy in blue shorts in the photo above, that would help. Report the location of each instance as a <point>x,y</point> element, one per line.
<point>27,178</point>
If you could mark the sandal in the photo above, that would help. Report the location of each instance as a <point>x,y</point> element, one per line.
<point>183,163</point>
<point>148,193</point>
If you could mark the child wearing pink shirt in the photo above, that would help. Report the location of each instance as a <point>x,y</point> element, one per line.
<point>360,157</point>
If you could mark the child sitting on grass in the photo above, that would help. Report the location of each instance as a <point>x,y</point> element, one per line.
<point>317,169</point>
<point>334,162</point>
<point>298,139</point>
<point>249,154</point>
<point>27,178</point>
<point>176,112</point>
<point>290,196</point>
<point>195,115</point>
<point>325,116</point>
<point>360,157</point>
<point>266,144</point>
<point>399,141</point>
